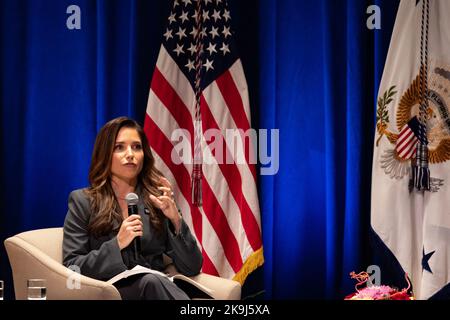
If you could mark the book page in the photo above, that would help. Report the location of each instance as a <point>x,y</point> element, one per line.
<point>136,270</point>
<point>190,286</point>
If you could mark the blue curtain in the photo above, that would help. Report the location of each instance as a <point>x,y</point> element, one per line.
<point>320,70</point>
<point>312,69</point>
<point>58,86</point>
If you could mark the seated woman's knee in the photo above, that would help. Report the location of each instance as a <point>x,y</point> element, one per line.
<point>151,281</point>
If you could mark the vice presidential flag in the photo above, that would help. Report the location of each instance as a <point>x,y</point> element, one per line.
<point>197,122</point>
<point>414,225</point>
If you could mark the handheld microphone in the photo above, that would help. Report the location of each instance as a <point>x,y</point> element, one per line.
<point>132,201</point>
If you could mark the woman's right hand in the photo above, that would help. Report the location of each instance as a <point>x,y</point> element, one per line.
<point>131,228</point>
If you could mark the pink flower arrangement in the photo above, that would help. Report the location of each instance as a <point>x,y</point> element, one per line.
<point>377,292</point>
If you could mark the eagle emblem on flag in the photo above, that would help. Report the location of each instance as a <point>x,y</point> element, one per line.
<point>404,134</point>
<point>409,201</point>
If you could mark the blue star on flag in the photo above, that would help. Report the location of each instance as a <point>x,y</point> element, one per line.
<point>425,258</point>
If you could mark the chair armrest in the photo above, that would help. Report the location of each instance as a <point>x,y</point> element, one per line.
<point>223,289</point>
<point>28,262</point>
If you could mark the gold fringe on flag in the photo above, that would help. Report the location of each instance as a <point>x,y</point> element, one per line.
<point>255,260</point>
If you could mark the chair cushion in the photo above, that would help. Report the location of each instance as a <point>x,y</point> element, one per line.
<point>48,241</point>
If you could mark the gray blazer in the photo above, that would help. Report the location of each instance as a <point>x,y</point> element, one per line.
<point>101,258</point>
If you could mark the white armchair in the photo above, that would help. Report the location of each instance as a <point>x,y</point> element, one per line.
<point>38,254</point>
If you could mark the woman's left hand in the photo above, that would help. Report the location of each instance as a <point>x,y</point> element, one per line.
<point>166,203</point>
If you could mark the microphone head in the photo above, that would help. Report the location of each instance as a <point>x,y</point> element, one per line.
<point>132,199</point>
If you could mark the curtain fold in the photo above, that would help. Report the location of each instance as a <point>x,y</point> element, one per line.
<point>318,86</point>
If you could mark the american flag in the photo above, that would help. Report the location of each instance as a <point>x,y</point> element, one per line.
<point>199,86</point>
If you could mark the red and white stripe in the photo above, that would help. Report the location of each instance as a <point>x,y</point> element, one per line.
<point>406,144</point>
<point>227,227</point>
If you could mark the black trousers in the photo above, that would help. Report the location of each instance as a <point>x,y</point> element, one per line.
<point>149,286</point>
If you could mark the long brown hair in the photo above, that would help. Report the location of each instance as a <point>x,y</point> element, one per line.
<point>104,205</point>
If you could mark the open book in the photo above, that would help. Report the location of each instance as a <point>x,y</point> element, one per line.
<point>192,288</point>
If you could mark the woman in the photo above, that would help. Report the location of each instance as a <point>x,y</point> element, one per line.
<point>98,233</point>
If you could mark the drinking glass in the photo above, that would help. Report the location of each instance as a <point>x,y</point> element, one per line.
<point>37,289</point>
<point>1,289</point>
